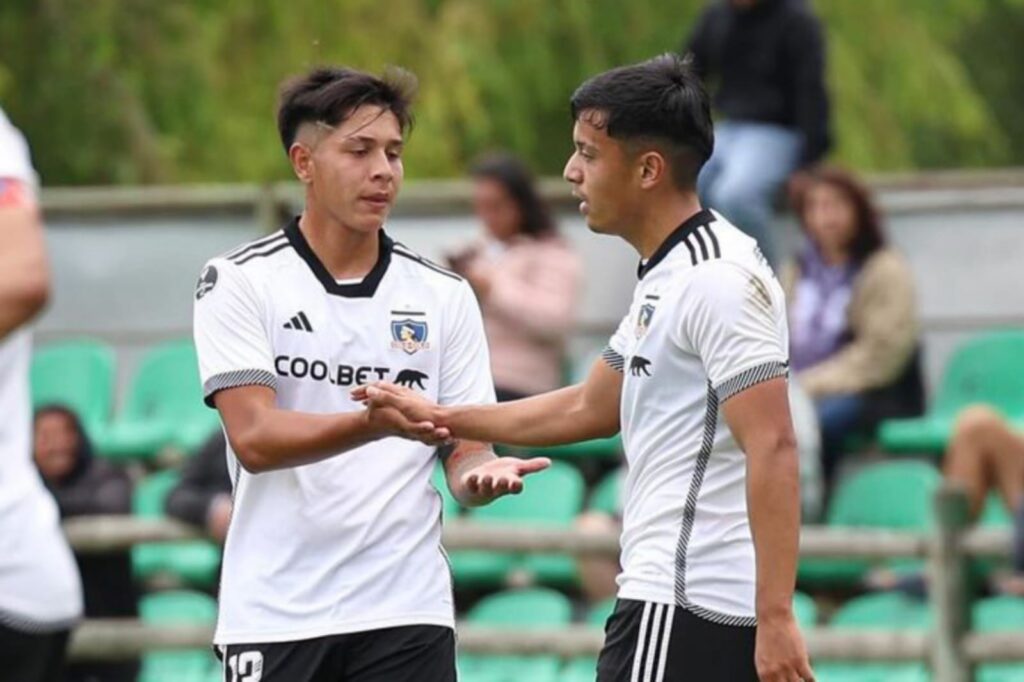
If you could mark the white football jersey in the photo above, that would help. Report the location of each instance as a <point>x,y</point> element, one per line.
<point>39,585</point>
<point>707,322</point>
<point>353,542</point>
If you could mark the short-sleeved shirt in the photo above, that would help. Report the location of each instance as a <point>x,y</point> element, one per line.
<point>353,542</point>
<point>39,585</point>
<point>707,322</point>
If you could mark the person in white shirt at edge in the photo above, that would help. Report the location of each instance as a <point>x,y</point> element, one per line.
<point>695,377</point>
<point>333,568</point>
<point>40,591</point>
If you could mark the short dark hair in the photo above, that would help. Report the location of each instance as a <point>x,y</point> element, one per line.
<point>331,94</point>
<point>660,101</point>
<point>512,174</point>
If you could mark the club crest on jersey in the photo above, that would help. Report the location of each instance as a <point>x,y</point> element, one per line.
<point>207,281</point>
<point>409,335</point>
<point>643,319</point>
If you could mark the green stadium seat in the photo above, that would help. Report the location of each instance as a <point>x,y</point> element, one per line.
<point>607,494</point>
<point>880,611</point>
<point>195,562</point>
<point>78,375</point>
<point>804,610</point>
<point>892,495</point>
<point>580,670</point>
<point>999,614</point>
<point>535,609</point>
<point>551,498</point>
<point>988,369</point>
<point>178,608</point>
<point>164,406</point>
<point>599,613</point>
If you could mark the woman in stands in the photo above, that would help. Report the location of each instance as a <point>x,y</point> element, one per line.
<point>525,275</point>
<point>84,486</point>
<point>852,313</point>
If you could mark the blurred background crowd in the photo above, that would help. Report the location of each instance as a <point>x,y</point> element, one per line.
<point>907,336</point>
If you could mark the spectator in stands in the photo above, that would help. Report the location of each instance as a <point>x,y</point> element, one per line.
<point>203,495</point>
<point>83,486</point>
<point>986,455</point>
<point>764,61</point>
<point>852,313</point>
<point>525,275</point>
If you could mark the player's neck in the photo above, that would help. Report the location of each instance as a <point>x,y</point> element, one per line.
<point>661,219</point>
<point>344,252</point>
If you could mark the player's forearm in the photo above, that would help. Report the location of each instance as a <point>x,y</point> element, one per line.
<point>24,275</point>
<point>553,418</point>
<point>280,439</point>
<point>773,502</point>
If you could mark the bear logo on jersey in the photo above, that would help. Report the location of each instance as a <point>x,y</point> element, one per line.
<point>409,335</point>
<point>207,281</point>
<point>410,378</point>
<point>643,319</point>
<point>639,366</point>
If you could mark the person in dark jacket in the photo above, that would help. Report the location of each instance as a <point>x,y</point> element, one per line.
<point>764,62</point>
<point>203,495</point>
<point>82,486</point>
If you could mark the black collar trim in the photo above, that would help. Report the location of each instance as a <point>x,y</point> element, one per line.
<point>701,217</point>
<point>363,289</point>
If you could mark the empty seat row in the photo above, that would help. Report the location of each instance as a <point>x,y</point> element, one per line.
<point>163,405</point>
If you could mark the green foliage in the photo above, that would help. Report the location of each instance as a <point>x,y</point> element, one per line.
<point>135,91</point>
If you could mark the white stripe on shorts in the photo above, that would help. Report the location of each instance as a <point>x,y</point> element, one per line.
<point>665,637</point>
<point>639,652</point>
<point>652,646</point>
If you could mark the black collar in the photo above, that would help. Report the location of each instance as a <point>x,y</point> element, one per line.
<point>363,289</point>
<point>701,217</point>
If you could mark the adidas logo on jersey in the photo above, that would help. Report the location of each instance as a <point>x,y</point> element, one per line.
<point>299,323</point>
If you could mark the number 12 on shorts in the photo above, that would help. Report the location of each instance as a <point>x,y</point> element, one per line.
<point>246,667</point>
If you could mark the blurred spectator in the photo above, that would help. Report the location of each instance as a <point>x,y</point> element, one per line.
<point>986,455</point>
<point>525,276</point>
<point>203,495</point>
<point>598,574</point>
<point>764,61</point>
<point>84,486</point>
<point>852,313</point>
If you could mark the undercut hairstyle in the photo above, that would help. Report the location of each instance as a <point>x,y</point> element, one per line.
<point>330,94</point>
<point>661,104</point>
<point>512,174</point>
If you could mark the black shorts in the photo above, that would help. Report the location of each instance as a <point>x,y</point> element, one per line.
<point>32,657</point>
<point>415,653</point>
<point>647,642</point>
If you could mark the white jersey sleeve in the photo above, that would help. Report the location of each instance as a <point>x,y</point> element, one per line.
<point>617,349</point>
<point>230,335</point>
<point>734,320</point>
<point>465,362</point>
<point>15,160</point>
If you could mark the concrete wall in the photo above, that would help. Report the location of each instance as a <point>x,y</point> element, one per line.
<point>127,276</point>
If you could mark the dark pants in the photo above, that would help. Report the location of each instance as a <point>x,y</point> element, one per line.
<point>415,653</point>
<point>32,657</point>
<point>663,643</point>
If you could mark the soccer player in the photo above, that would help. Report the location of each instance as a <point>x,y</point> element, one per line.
<point>695,378</point>
<point>40,592</point>
<point>333,567</point>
